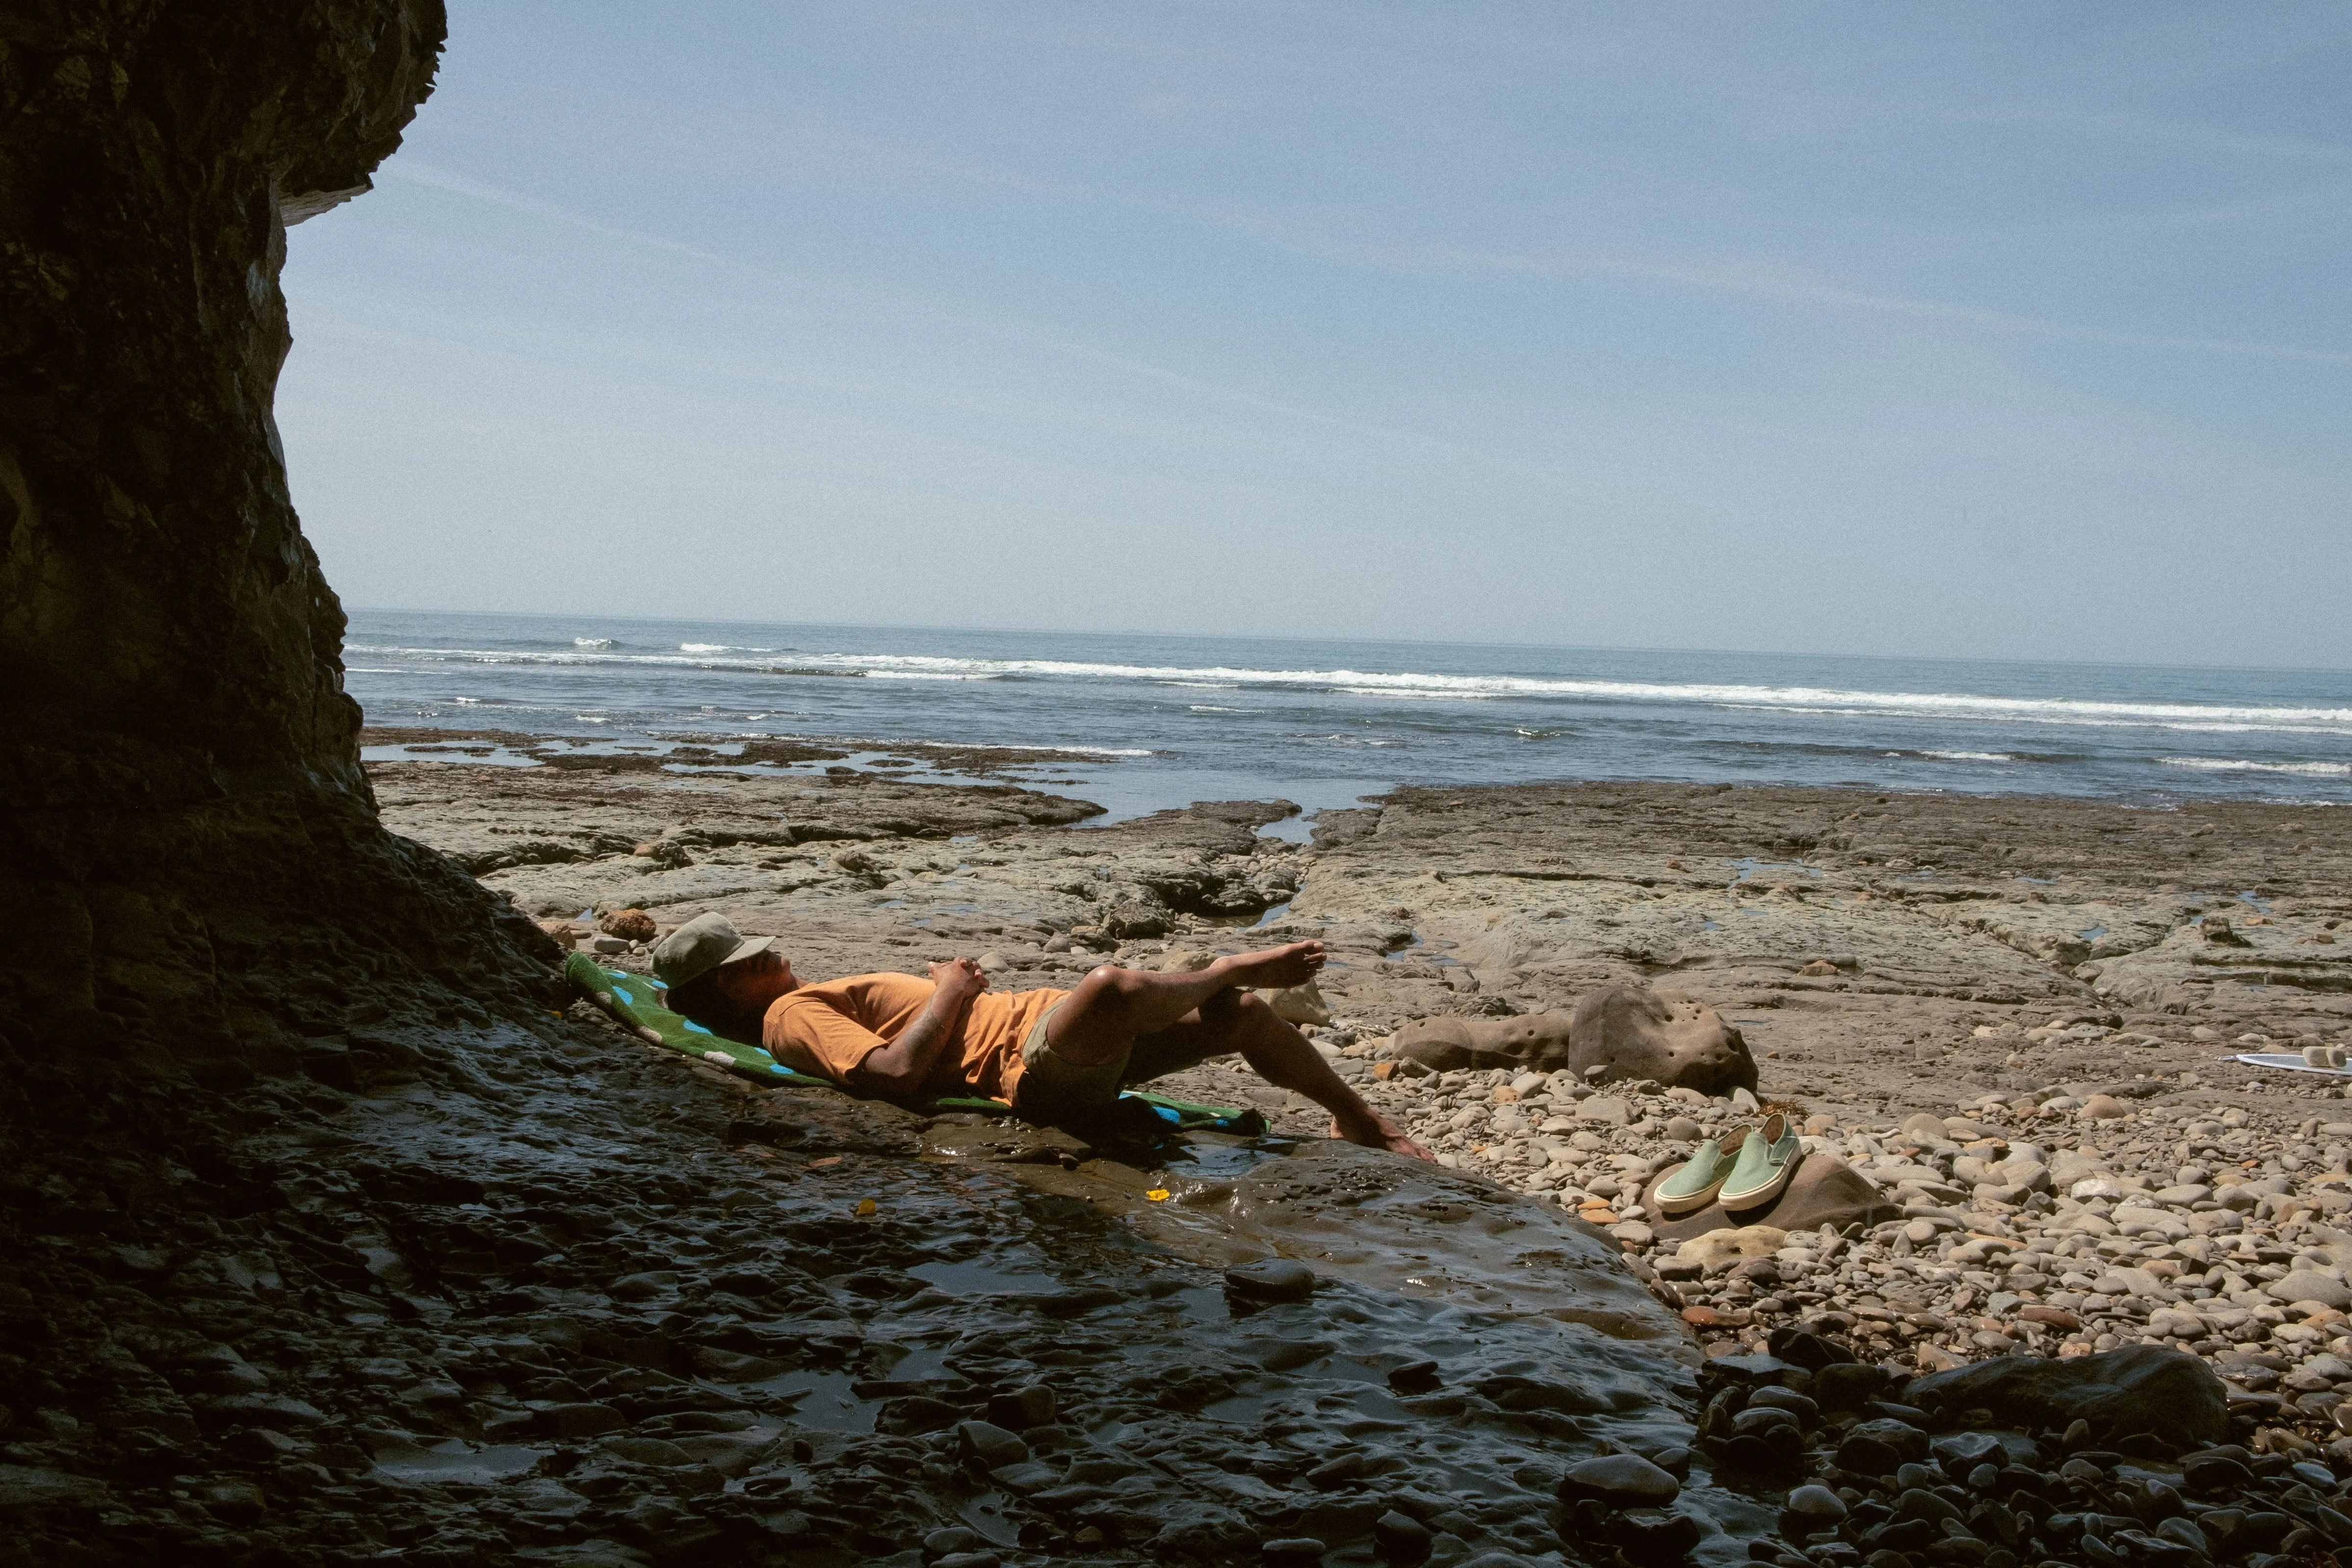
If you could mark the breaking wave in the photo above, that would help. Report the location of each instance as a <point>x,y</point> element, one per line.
<point>2240,765</point>
<point>2217,718</point>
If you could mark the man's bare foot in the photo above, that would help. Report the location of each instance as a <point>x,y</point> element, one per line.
<point>1381,1133</point>
<point>1275,968</point>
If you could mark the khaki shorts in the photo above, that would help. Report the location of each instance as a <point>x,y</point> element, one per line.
<point>1053,1086</point>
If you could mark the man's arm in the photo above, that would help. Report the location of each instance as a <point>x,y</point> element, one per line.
<point>904,1065</point>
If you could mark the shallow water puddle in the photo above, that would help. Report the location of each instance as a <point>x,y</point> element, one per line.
<point>455,1460</point>
<point>984,1275</point>
<point>1389,1223</point>
<point>1748,866</point>
<point>827,1400</point>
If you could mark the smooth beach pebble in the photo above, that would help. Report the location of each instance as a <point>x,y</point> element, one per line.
<point>992,1444</point>
<point>1272,1279</point>
<point>1025,1407</point>
<point>1811,1507</point>
<point>1400,1540</point>
<point>1624,1480</point>
<point>1415,1377</point>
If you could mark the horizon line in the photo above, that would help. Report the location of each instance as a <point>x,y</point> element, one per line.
<point>1412,641</point>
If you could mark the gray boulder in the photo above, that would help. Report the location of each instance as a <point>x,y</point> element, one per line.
<point>2135,1389</point>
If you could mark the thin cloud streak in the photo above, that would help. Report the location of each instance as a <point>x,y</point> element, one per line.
<point>459,184</point>
<point>1423,261</point>
<point>2139,128</point>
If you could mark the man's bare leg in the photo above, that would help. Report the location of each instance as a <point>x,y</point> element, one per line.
<point>1100,1020</point>
<point>1203,1014</point>
<point>1288,1060</point>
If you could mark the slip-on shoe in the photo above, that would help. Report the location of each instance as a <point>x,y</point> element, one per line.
<point>1766,1162</point>
<point>1693,1185</point>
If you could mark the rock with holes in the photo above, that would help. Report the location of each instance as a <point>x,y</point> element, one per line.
<point>1631,1033</point>
<point>1536,1040</point>
<point>1626,1032</point>
<point>629,925</point>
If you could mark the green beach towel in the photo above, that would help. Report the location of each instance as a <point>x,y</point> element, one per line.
<point>634,1002</point>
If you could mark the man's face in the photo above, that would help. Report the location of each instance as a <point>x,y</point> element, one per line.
<point>758,980</point>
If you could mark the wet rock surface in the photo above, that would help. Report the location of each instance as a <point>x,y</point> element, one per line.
<point>555,1292</point>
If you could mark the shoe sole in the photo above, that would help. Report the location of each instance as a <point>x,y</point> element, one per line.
<point>1689,1203</point>
<point>1764,1194</point>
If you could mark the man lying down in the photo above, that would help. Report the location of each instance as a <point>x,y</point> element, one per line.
<point>1051,1055</point>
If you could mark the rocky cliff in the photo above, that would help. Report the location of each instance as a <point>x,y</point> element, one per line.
<point>195,862</point>
<point>200,893</point>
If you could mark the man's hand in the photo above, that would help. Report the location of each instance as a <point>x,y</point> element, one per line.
<point>960,979</point>
<point>903,1066</point>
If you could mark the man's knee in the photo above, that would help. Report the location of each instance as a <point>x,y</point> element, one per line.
<point>1114,984</point>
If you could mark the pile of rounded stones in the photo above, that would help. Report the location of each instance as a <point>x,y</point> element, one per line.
<point>2128,1456</point>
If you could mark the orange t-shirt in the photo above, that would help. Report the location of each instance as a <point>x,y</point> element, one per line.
<point>830,1028</point>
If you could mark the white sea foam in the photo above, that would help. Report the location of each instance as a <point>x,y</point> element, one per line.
<point>1041,746</point>
<point>1407,694</point>
<point>929,675</point>
<point>1912,704</point>
<point>1971,756</point>
<point>593,642</point>
<point>1966,707</point>
<point>2241,765</point>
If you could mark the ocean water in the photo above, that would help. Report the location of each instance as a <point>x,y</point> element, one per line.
<point>1161,721</point>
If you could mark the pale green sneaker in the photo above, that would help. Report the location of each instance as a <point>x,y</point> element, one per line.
<point>1766,1162</point>
<point>1693,1187</point>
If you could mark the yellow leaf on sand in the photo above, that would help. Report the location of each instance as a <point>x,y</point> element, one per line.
<point>864,1207</point>
<point>1157,1195</point>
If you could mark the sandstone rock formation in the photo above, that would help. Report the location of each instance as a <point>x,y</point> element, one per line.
<point>1633,1033</point>
<point>1627,1032</point>
<point>1536,1041</point>
<point>210,899</point>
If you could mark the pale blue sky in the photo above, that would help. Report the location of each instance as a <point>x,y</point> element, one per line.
<point>1979,329</point>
